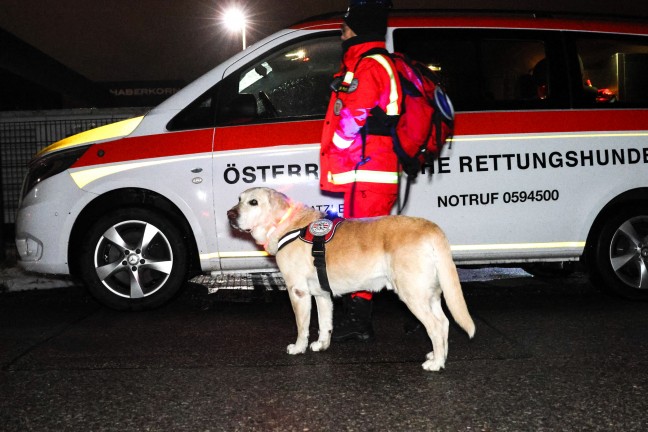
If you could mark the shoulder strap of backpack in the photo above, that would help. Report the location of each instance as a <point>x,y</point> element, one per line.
<point>376,111</point>
<point>402,203</point>
<point>372,51</point>
<point>380,114</point>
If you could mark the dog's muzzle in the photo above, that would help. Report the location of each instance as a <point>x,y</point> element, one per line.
<point>232,215</point>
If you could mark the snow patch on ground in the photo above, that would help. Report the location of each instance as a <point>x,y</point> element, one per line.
<point>16,279</point>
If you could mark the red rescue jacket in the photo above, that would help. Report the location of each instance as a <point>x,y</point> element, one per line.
<point>365,84</point>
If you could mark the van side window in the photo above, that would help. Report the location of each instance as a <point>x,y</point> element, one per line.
<point>291,82</point>
<point>198,115</point>
<point>482,69</point>
<point>613,71</point>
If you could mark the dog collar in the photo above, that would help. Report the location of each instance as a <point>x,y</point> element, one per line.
<point>274,227</point>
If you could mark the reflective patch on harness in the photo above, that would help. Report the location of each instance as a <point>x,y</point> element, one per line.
<point>320,228</point>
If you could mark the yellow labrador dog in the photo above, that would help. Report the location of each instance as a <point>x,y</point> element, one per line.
<point>408,255</point>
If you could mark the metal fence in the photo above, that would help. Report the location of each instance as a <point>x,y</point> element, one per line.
<point>23,134</point>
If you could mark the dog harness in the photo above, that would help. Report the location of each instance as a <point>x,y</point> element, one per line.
<point>318,234</point>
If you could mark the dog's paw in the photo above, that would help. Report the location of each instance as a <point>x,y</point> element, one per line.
<point>319,346</point>
<point>296,349</point>
<point>433,365</point>
<point>430,356</point>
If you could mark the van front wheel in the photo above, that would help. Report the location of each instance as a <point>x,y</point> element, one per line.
<point>133,259</point>
<point>620,263</point>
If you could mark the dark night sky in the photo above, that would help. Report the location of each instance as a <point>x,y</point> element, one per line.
<point>132,40</point>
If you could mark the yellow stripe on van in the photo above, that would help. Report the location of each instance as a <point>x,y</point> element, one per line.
<point>254,254</point>
<point>83,177</point>
<point>114,130</point>
<point>455,248</point>
<point>518,246</point>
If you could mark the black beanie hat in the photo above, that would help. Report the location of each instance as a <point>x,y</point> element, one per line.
<point>368,18</point>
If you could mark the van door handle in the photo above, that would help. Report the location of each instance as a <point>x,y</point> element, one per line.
<point>196,170</point>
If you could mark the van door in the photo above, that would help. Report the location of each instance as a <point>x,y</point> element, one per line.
<point>609,84</point>
<point>269,117</point>
<point>502,191</point>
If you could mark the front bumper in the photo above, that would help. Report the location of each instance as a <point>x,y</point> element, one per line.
<point>44,223</point>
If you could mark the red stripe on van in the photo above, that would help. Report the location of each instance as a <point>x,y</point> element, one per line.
<point>524,122</point>
<point>259,136</point>
<point>521,23</point>
<point>146,147</point>
<point>495,22</point>
<point>467,123</point>
<point>268,135</point>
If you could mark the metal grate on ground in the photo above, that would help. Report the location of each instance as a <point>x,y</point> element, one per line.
<point>266,282</point>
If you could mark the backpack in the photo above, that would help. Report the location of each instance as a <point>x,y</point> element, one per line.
<point>426,120</point>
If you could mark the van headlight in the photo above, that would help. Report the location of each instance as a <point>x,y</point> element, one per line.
<point>42,168</point>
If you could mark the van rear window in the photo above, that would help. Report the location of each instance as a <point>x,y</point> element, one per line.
<point>614,70</point>
<point>484,70</point>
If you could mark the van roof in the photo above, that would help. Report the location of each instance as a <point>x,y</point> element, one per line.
<point>494,19</point>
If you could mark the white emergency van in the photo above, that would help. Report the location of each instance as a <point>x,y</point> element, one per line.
<point>549,162</point>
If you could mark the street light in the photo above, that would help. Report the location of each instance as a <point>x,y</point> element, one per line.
<point>235,20</point>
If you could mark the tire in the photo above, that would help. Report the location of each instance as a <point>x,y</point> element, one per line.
<point>620,256</point>
<point>133,259</point>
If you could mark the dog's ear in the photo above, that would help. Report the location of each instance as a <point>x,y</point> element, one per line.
<point>279,200</point>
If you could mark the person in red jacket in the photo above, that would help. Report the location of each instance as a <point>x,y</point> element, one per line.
<point>353,159</point>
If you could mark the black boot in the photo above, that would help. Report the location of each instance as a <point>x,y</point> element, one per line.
<point>412,324</point>
<point>356,321</point>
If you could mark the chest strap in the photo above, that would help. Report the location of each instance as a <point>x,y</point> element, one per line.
<point>319,233</point>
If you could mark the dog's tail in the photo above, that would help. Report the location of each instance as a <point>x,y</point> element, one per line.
<point>451,287</point>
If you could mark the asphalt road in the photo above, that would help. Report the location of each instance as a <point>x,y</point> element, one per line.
<point>548,355</point>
